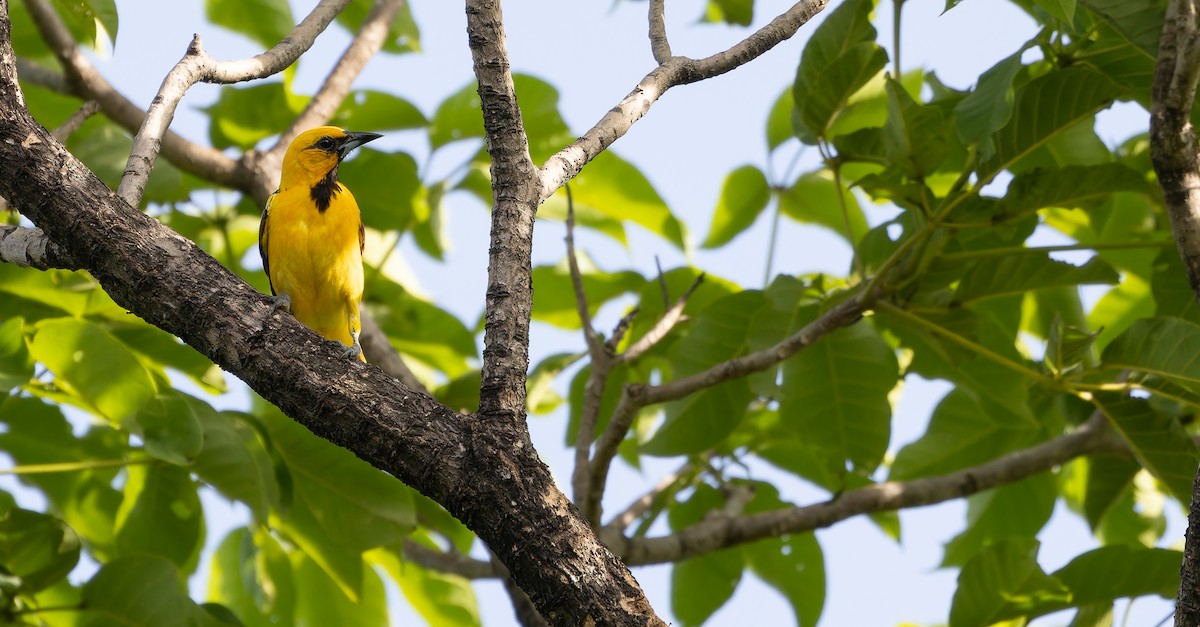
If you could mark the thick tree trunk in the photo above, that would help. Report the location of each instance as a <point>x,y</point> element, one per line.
<point>485,473</point>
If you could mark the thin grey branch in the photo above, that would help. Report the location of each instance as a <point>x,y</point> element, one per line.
<point>636,396</point>
<point>720,531</point>
<point>659,45</point>
<point>195,66</point>
<point>366,43</point>
<point>379,351</point>
<point>672,71</point>
<point>642,504</point>
<point>661,328</point>
<point>601,365</point>
<point>72,124</point>
<point>83,80</point>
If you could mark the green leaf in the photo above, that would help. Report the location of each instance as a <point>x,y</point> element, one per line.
<point>16,367</point>
<point>963,431</point>
<point>617,378</point>
<point>442,599</point>
<point>1068,349</point>
<point>263,21</point>
<point>251,574</point>
<point>701,585</point>
<point>460,116</point>
<point>744,195</point>
<point>387,188</point>
<point>1017,273</point>
<point>421,330</point>
<point>89,362</point>
<point>1159,346</point>
<point>140,591</point>
<point>37,433</point>
<point>738,12</point>
<point>403,35</point>
<point>913,136</point>
<point>793,564</point>
<point>698,422</point>
<point>318,601</point>
<point>375,110</point>
<point>539,392</point>
<point>988,107</point>
<point>243,116</point>
<point>616,188</point>
<point>35,548</point>
<point>1114,572</point>
<point>161,515</point>
<point>1100,576</point>
<point>234,461</point>
<point>161,350</point>
<point>358,506</point>
<point>1061,9</point>
<point>1045,108</point>
<point>1138,21</point>
<point>840,57</point>
<point>1158,442</point>
<point>813,199</point>
<point>1068,187</point>
<point>835,393</point>
<point>998,575</point>
<point>1015,510</point>
<point>170,426</point>
<point>554,295</point>
<point>1108,478</point>
<point>82,17</point>
<point>779,120</point>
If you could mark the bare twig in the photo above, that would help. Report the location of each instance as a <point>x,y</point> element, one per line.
<point>658,32</point>
<point>42,76</point>
<point>366,43</point>
<point>448,561</point>
<point>642,504</point>
<point>566,163</point>
<point>719,531</point>
<point>72,124</point>
<point>635,396</point>
<point>661,328</point>
<point>662,282</point>
<point>1174,153</point>
<point>84,81</point>
<point>195,66</point>
<point>601,365</point>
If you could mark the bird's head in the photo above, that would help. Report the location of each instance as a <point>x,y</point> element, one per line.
<point>316,153</point>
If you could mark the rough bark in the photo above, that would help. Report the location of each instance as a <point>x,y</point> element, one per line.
<point>1176,158</point>
<point>486,473</point>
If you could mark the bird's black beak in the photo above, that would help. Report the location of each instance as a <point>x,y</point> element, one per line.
<point>354,140</point>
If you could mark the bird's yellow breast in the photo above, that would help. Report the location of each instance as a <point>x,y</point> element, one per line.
<point>315,258</point>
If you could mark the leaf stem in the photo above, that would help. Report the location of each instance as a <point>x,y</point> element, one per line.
<point>39,469</point>
<point>771,243</point>
<point>979,349</point>
<point>1023,250</point>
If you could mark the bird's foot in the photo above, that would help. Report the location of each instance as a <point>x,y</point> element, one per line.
<point>355,349</point>
<point>282,301</point>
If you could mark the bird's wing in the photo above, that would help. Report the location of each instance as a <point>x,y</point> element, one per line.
<point>263,243</point>
<point>362,236</point>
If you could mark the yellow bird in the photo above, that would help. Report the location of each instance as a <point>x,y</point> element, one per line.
<point>311,237</point>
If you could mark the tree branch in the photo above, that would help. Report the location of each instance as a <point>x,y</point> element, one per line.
<point>490,478</point>
<point>635,396</point>
<point>719,531</point>
<point>366,43</point>
<point>195,66</point>
<point>31,248</point>
<point>602,363</point>
<point>514,202</point>
<point>85,82</point>
<point>72,124</point>
<point>1173,151</point>
<point>659,46</point>
<point>671,71</point>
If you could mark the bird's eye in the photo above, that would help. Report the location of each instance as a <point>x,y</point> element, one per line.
<point>325,144</point>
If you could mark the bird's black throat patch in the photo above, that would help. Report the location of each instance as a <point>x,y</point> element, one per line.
<point>323,192</point>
